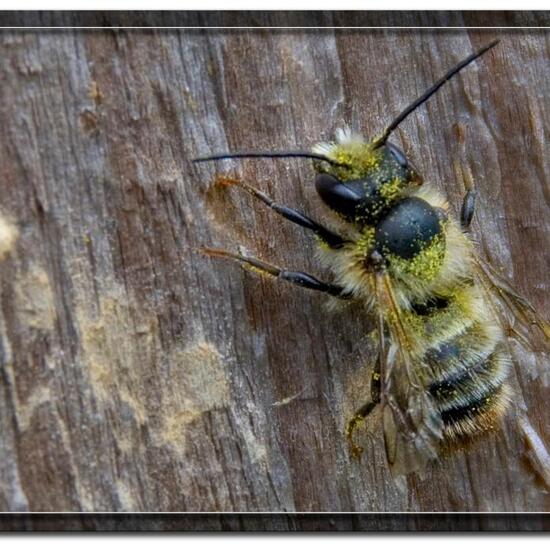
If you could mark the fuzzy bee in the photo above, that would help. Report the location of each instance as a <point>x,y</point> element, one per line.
<point>442,314</point>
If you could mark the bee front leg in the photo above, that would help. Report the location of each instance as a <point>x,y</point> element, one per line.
<point>296,277</point>
<point>325,234</point>
<point>362,412</point>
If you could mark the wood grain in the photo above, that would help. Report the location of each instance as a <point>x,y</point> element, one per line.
<point>138,375</point>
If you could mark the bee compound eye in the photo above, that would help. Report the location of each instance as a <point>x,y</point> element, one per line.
<point>398,155</point>
<point>410,173</point>
<point>336,195</point>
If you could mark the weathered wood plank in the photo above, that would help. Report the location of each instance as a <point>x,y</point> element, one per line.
<point>138,375</point>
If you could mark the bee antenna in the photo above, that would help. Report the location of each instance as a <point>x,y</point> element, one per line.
<point>429,92</point>
<point>267,154</point>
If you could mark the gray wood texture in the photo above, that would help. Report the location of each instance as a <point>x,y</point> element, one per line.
<point>138,375</point>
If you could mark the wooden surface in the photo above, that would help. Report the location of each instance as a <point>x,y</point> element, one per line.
<point>138,375</point>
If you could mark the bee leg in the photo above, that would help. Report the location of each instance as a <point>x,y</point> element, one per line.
<point>467,210</point>
<point>363,412</point>
<point>331,239</point>
<point>296,277</point>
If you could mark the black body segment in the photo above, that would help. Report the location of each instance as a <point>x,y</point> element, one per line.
<point>445,354</point>
<point>407,228</point>
<point>472,411</point>
<point>482,376</point>
<point>431,306</point>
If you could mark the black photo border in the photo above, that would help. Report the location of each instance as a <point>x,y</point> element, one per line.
<point>273,522</point>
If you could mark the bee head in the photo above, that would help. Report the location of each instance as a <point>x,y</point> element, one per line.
<point>366,181</point>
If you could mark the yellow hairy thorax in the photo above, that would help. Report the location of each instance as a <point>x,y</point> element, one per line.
<point>442,265</point>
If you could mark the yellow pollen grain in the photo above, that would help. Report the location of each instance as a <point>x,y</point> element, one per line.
<point>365,242</point>
<point>426,264</point>
<point>359,160</point>
<point>391,190</point>
<point>256,270</point>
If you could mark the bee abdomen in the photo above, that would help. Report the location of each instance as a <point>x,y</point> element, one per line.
<point>472,397</point>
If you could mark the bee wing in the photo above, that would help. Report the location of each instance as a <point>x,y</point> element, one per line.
<point>517,316</point>
<point>413,427</point>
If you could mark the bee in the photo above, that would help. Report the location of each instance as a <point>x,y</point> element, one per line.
<point>442,314</point>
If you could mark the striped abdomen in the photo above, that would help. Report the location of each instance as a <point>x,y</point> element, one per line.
<point>467,364</point>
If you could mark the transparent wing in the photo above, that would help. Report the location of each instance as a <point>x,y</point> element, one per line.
<point>413,427</point>
<point>518,317</point>
<point>520,321</point>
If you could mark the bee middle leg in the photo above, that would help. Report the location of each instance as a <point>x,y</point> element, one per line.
<point>295,216</point>
<point>362,412</point>
<point>296,277</point>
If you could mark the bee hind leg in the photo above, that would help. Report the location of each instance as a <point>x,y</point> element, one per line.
<point>362,412</point>
<point>263,268</point>
<point>357,419</point>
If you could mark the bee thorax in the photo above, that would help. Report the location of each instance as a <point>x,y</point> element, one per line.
<point>408,228</point>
